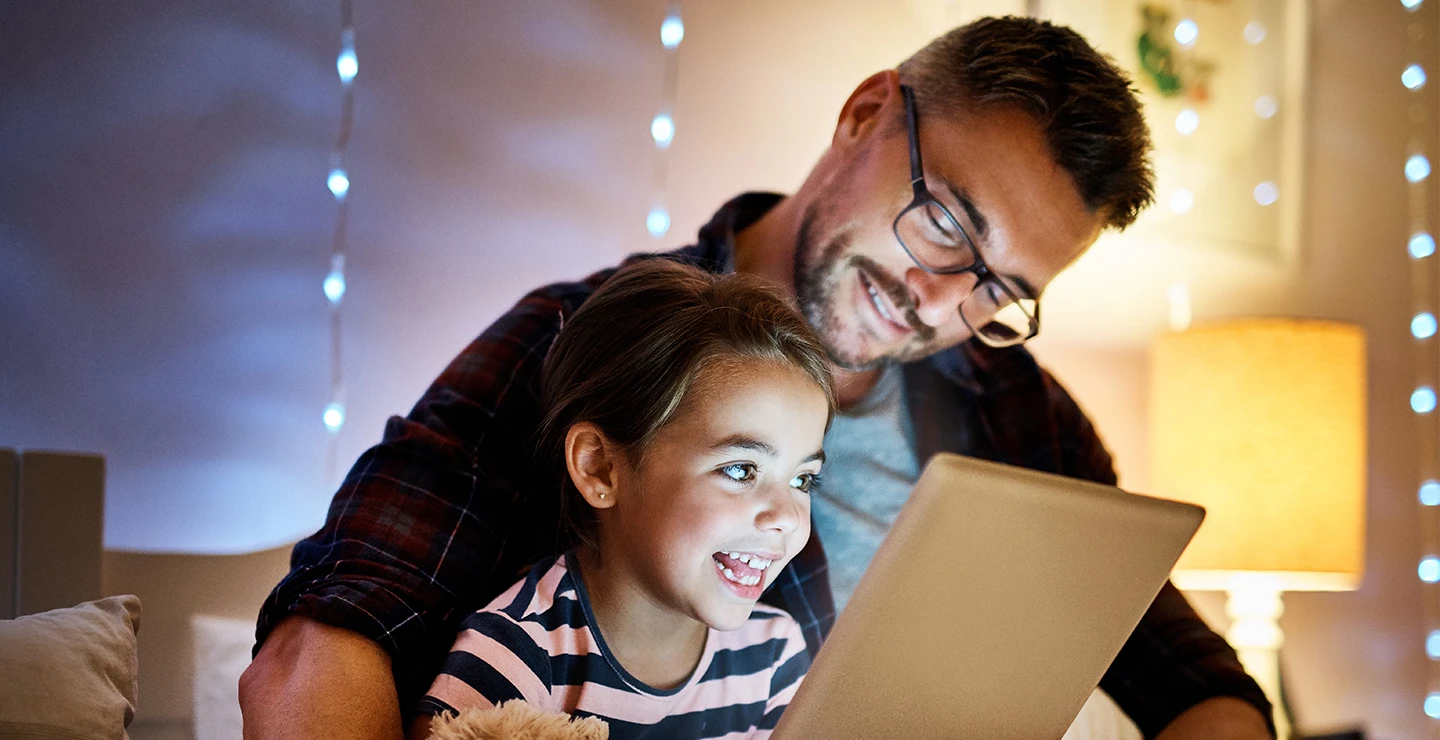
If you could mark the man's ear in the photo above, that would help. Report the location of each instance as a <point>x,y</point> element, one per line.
<point>594,463</point>
<point>868,107</point>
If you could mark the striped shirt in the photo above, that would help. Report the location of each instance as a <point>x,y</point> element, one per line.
<point>539,642</point>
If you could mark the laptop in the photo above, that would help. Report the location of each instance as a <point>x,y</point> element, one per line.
<point>992,609</point>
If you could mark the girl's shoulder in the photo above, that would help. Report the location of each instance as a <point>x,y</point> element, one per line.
<point>537,590</point>
<point>537,620</point>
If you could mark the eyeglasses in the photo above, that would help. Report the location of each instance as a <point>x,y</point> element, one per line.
<point>999,311</point>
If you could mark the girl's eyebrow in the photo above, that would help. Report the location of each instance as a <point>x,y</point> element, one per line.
<point>742,442</point>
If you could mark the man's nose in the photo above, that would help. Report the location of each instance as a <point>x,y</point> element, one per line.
<point>938,297</point>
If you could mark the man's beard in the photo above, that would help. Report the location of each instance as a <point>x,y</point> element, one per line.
<point>819,271</point>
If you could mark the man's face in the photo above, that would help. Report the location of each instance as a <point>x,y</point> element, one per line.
<point>864,295</point>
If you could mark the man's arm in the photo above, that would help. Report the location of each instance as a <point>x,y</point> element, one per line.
<point>429,524</point>
<point>312,681</point>
<point>1222,718</point>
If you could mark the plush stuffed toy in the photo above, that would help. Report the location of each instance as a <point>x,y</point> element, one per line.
<point>516,720</point>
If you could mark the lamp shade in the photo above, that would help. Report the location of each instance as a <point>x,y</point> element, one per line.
<point>1262,422</point>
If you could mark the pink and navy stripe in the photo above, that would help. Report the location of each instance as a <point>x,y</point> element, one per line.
<point>538,642</point>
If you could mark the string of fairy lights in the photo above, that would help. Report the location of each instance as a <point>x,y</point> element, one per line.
<point>338,180</point>
<point>657,221</point>
<point>1265,106</point>
<point>662,126</point>
<point>1421,247</point>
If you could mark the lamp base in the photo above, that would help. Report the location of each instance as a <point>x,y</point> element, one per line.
<point>1254,608</point>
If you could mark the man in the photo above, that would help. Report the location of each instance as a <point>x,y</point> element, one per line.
<point>954,190</point>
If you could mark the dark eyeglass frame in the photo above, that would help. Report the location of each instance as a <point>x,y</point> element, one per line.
<point>983,274</point>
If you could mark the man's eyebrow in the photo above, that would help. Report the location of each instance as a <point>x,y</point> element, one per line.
<point>743,442</point>
<point>982,229</point>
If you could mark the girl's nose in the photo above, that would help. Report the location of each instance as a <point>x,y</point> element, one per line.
<point>782,513</point>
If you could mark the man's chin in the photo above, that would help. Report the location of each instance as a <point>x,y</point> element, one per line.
<point>855,359</point>
<point>862,360</point>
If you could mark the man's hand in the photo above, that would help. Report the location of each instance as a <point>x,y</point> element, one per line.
<point>1221,718</point>
<point>312,681</point>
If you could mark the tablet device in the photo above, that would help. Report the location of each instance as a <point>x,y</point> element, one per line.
<point>993,607</point>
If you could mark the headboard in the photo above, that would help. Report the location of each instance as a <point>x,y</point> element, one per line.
<point>52,526</point>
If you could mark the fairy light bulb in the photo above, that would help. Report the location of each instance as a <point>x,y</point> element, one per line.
<point>672,31</point>
<point>335,282</point>
<point>1417,168</point>
<point>1266,193</point>
<point>1423,325</point>
<point>334,416</point>
<point>1422,245</point>
<point>1422,401</point>
<point>1254,32</point>
<point>1187,121</point>
<point>346,63</point>
<point>1186,31</point>
<point>339,183</point>
<point>1413,77</point>
<point>1430,493</point>
<point>658,222</point>
<point>1182,200</point>
<point>662,129</point>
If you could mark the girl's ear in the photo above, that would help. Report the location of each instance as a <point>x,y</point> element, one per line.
<point>594,463</point>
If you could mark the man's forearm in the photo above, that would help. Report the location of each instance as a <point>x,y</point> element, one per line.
<point>1221,718</point>
<point>312,681</point>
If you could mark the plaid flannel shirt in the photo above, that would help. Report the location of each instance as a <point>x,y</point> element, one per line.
<point>449,509</point>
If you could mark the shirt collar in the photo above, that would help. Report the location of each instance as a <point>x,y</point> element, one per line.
<point>715,249</point>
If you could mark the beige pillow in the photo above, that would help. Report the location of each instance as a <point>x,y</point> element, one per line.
<point>70,673</point>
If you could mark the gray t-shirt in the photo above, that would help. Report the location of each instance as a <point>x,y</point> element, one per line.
<point>871,466</point>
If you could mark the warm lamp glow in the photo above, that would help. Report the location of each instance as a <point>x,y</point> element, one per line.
<point>1262,422</point>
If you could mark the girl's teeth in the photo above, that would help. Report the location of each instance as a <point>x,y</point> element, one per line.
<point>750,560</point>
<point>742,580</point>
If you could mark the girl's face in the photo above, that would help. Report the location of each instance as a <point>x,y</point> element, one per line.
<point>720,501</point>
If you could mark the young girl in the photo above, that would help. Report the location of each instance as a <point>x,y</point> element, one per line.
<point>685,414</point>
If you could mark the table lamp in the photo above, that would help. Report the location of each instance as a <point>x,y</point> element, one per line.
<point>1262,422</point>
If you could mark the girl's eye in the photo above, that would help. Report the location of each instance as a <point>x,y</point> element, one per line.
<point>740,472</point>
<point>805,482</point>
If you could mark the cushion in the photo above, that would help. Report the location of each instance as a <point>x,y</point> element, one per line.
<point>222,653</point>
<point>70,673</point>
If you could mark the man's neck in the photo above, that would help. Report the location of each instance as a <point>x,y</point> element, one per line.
<point>852,386</point>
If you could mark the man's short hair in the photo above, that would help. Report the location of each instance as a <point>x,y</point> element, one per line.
<point>1086,105</point>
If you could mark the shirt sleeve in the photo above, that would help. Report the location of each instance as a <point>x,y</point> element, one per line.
<point>1173,660</point>
<point>790,669</point>
<point>493,660</point>
<point>435,521</point>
